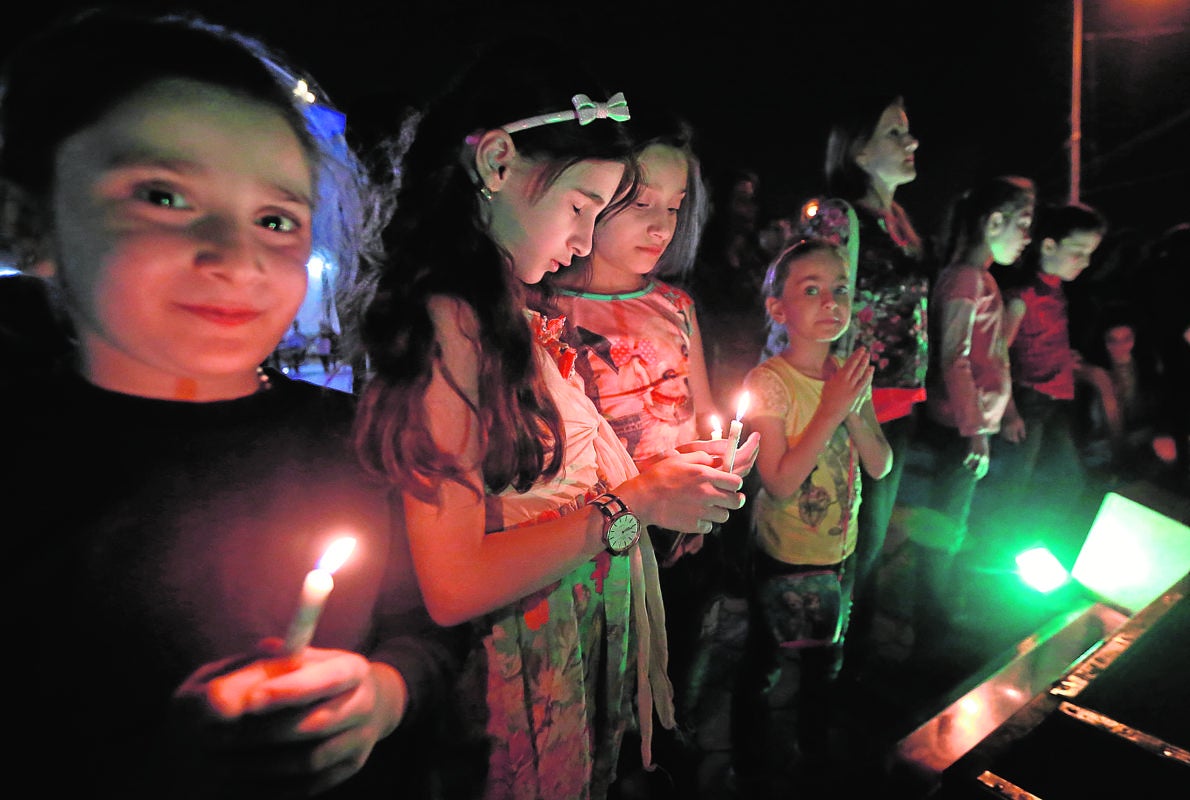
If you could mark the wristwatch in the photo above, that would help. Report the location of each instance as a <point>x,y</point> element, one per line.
<point>621,528</point>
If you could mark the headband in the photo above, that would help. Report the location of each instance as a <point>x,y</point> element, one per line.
<point>585,110</point>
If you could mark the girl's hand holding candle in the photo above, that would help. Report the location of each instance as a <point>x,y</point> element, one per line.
<point>315,589</point>
<point>734,432</point>
<point>733,442</point>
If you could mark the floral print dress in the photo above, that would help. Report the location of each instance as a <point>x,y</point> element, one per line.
<point>888,316</point>
<point>634,356</point>
<point>557,677</point>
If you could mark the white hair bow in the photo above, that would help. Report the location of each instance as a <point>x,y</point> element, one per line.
<point>585,110</point>
<point>616,108</point>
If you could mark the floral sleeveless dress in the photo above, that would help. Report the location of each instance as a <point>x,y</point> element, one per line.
<point>634,357</point>
<point>557,677</point>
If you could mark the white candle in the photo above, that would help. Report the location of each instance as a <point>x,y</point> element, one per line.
<point>315,589</point>
<point>716,427</point>
<point>734,431</point>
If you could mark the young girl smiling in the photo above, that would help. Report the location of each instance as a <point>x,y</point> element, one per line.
<point>170,495</point>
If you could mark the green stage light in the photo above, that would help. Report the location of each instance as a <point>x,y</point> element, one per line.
<point>1041,570</point>
<point>1133,553</point>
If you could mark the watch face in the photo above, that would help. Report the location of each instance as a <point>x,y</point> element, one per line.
<point>623,533</point>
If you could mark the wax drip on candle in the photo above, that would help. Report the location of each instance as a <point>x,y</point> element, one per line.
<point>315,589</point>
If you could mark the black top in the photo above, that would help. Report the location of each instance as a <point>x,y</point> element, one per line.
<point>146,538</point>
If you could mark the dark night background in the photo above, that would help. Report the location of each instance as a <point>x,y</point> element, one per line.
<point>988,91</point>
<point>987,84</point>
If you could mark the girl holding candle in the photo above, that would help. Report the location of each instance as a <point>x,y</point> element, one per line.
<point>522,505</point>
<point>639,351</point>
<point>813,410</point>
<point>636,337</point>
<point>164,495</point>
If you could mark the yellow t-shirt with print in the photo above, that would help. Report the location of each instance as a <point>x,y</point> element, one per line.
<point>817,524</point>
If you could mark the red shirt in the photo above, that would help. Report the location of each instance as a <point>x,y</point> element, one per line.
<point>1041,356</point>
<point>974,384</point>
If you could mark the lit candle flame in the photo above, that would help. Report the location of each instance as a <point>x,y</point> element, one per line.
<point>735,431</point>
<point>716,427</point>
<point>337,554</point>
<point>742,405</point>
<point>315,589</point>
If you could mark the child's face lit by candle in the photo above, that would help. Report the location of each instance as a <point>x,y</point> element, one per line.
<point>149,322</point>
<point>815,301</point>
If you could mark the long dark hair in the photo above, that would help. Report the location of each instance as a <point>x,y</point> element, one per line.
<point>851,130</point>
<point>666,127</point>
<point>655,125</point>
<point>439,247</point>
<point>968,213</point>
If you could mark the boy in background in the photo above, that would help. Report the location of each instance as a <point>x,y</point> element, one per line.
<point>1037,461</point>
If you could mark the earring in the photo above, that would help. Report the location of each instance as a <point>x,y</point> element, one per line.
<point>485,193</point>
